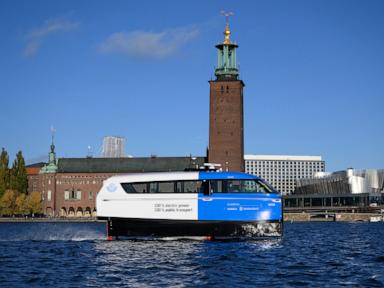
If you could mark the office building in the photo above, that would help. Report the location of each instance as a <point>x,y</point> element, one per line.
<point>282,171</point>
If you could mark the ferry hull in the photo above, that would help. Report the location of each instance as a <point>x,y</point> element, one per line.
<point>136,228</point>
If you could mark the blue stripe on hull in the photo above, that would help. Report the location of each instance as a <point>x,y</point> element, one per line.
<point>240,207</point>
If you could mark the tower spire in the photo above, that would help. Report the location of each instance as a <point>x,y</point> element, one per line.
<point>53,138</point>
<point>226,54</point>
<point>51,167</point>
<point>227,32</point>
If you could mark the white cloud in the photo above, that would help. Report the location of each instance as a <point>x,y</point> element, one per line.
<point>36,36</point>
<point>148,44</point>
<point>31,48</point>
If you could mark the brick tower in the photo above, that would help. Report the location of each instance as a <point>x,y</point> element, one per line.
<point>226,136</point>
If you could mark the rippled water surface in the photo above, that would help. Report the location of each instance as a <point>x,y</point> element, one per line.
<point>318,254</point>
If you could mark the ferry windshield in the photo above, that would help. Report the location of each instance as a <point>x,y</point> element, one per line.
<point>200,186</point>
<point>240,186</point>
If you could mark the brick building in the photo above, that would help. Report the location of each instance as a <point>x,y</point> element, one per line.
<point>33,175</point>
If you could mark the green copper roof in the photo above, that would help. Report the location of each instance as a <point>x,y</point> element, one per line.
<point>226,57</point>
<point>50,168</point>
<point>226,60</point>
<point>52,165</point>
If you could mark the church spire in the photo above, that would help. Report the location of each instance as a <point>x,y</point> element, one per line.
<point>52,154</point>
<point>52,165</point>
<point>226,54</point>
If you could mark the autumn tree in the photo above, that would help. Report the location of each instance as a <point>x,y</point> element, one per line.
<point>21,205</point>
<point>18,178</point>
<point>4,172</point>
<point>8,203</point>
<point>34,203</point>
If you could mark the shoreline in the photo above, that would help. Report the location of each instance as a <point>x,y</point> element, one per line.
<point>332,217</point>
<point>50,219</point>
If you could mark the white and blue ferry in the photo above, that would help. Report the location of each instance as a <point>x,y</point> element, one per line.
<point>211,205</point>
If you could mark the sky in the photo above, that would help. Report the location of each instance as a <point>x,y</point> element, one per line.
<point>313,74</point>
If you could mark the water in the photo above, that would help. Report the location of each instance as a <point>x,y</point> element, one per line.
<point>327,254</point>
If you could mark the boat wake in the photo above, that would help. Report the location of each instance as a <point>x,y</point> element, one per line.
<point>261,230</point>
<point>52,231</point>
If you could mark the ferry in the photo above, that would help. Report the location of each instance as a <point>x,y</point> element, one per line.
<point>201,204</point>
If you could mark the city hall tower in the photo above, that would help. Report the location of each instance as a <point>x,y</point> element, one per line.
<point>226,135</point>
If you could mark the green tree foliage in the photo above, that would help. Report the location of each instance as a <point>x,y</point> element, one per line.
<point>8,203</point>
<point>4,172</point>
<point>18,179</point>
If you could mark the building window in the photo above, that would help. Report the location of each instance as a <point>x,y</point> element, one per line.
<point>72,195</point>
<point>91,195</point>
<point>49,195</point>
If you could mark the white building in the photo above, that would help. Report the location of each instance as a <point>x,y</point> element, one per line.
<point>346,182</point>
<point>282,171</point>
<point>113,147</point>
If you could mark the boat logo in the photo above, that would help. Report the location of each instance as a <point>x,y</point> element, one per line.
<point>111,187</point>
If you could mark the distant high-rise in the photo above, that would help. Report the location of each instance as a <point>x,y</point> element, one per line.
<point>113,147</point>
<point>226,135</point>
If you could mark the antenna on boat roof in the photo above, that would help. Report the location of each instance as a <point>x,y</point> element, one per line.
<point>211,167</point>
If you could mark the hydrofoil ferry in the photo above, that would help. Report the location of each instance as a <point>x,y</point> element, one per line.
<point>207,204</point>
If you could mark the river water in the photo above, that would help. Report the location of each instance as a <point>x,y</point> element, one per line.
<point>313,254</point>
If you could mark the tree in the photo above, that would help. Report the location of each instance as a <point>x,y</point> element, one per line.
<point>8,203</point>
<point>34,203</point>
<point>4,172</point>
<point>21,205</point>
<point>18,179</point>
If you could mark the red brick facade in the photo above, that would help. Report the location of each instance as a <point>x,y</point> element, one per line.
<point>34,180</point>
<point>71,194</point>
<point>226,135</point>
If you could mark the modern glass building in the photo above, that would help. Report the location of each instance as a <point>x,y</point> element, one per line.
<point>282,171</point>
<point>339,190</point>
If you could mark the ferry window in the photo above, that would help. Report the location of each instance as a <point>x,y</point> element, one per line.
<point>261,187</point>
<point>216,186</point>
<point>233,186</point>
<point>153,187</point>
<point>240,186</point>
<point>135,187</point>
<point>163,187</point>
<point>188,186</point>
<point>166,187</point>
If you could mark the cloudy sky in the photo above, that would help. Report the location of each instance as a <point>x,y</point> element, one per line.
<point>313,70</point>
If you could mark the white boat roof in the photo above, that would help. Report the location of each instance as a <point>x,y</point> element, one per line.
<point>155,176</point>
